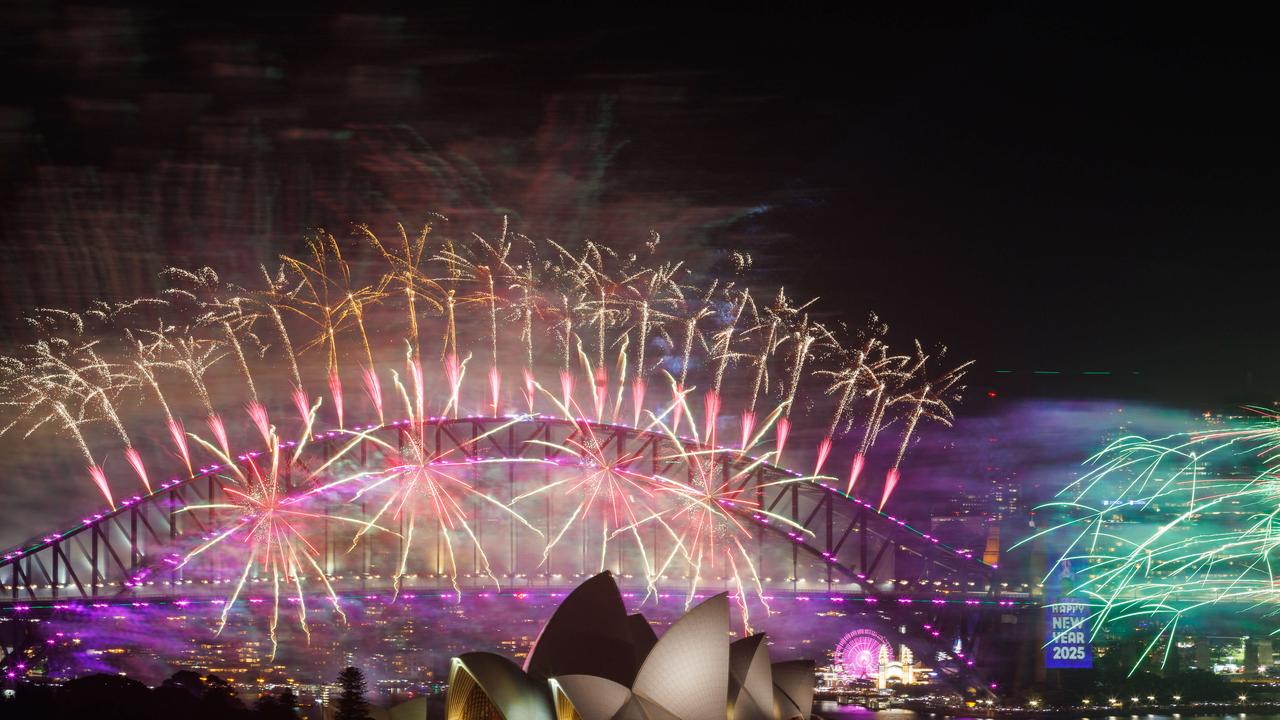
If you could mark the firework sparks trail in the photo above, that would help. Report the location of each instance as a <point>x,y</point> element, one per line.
<point>625,495</point>
<point>530,386</point>
<point>648,296</point>
<point>707,518</point>
<point>288,346</point>
<point>873,368</point>
<point>425,483</point>
<point>695,312</point>
<point>847,384</point>
<point>234,341</point>
<point>805,337</point>
<point>373,386</point>
<point>869,435</point>
<point>931,403</point>
<point>326,299</point>
<point>99,477</point>
<point>774,321</point>
<point>176,432</point>
<point>258,414</point>
<point>622,368</point>
<point>219,430</point>
<point>335,392</point>
<point>269,525</point>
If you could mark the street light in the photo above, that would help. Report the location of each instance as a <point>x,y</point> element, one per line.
<point>1085,702</point>
<point>1112,701</point>
<point>1177,698</point>
<point>1034,703</point>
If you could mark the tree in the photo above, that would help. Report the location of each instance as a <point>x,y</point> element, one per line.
<point>267,706</point>
<point>289,703</point>
<point>105,696</point>
<point>187,680</point>
<point>282,706</point>
<point>351,704</point>
<point>220,699</point>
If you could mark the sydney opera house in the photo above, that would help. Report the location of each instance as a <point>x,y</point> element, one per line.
<point>593,661</point>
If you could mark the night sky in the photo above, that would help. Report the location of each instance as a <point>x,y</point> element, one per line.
<point>1092,191</point>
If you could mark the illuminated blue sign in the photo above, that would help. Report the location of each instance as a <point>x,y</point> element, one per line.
<point>1067,635</point>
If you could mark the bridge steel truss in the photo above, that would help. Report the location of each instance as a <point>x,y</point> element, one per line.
<point>840,545</point>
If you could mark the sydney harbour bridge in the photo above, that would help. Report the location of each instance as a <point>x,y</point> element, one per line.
<point>940,600</point>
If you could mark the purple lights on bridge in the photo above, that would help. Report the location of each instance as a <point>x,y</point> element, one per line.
<point>129,559</point>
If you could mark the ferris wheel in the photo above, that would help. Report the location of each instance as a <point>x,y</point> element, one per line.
<point>861,654</point>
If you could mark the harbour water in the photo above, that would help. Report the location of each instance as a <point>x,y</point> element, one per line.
<point>831,710</point>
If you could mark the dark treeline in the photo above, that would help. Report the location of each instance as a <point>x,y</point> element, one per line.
<point>184,696</point>
<point>1071,687</point>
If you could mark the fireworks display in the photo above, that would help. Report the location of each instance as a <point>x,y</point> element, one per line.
<point>270,524</point>
<point>428,328</point>
<point>1161,531</point>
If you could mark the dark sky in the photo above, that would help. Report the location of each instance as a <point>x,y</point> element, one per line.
<point>1091,189</point>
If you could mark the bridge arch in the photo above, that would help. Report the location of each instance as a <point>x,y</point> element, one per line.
<point>837,547</point>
